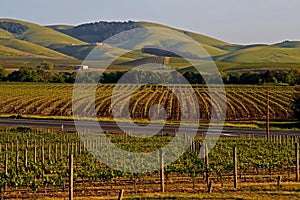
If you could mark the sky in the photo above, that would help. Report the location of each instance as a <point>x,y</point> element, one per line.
<point>234,21</point>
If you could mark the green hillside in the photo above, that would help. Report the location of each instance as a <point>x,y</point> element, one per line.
<point>32,49</point>
<point>196,36</point>
<point>28,41</point>
<point>81,52</point>
<point>10,52</point>
<point>5,34</point>
<point>100,31</point>
<point>41,35</point>
<point>263,54</point>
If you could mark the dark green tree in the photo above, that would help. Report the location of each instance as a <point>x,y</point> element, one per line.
<point>3,73</point>
<point>46,65</point>
<point>25,74</point>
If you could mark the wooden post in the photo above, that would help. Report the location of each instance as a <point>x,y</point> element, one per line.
<point>235,167</point>
<point>26,158</point>
<point>49,152</point>
<point>297,161</point>
<point>6,169</point>
<point>206,164</point>
<point>61,151</point>
<point>121,194</point>
<point>162,173</point>
<point>55,152</point>
<point>268,117</point>
<point>68,150</point>
<point>34,152</point>
<point>278,182</point>
<point>42,154</point>
<point>210,185</point>
<point>71,177</point>
<point>17,160</point>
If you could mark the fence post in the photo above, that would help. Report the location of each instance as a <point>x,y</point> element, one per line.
<point>26,158</point>
<point>61,151</point>
<point>55,152</point>
<point>210,185</point>
<point>42,153</point>
<point>206,164</point>
<point>235,167</point>
<point>297,161</point>
<point>17,160</point>
<point>6,169</point>
<point>278,182</point>
<point>71,177</point>
<point>162,173</point>
<point>121,194</point>
<point>49,152</point>
<point>34,152</point>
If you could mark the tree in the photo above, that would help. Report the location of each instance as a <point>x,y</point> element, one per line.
<point>25,74</point>
<point>46,65</point>
<point>3,73</point>
<point>296,103</point>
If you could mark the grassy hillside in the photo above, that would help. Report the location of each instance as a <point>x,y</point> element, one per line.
<point>32,49</point>
<point>81,52</point>
<point>42,35</point>
<point>265,54</point>
<point>24,42</point>
<point>101,31</point>
<point>196,36</point>
<point>5,34</point>
<point>10,52</point>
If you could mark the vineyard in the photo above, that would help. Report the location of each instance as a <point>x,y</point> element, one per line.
<point>55,100</point>
<point>34,163</point>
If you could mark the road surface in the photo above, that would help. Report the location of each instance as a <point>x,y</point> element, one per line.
<point>112,127</point>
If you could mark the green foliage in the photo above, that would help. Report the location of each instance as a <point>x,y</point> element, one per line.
<point>46,65</point>
<point>3,73</point>
<point>25,74</point>
<point>98,31</point>
<point>13,27</point>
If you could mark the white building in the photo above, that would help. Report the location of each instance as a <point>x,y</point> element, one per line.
<point>81,67</point>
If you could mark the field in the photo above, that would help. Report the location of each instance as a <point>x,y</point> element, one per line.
<point>55,101</point>
<point>34,164</point>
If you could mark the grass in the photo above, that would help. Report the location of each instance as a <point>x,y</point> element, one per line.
<point>263,54</point>
<point>27,49</point>
<point>5,34</point>
<point>247,191</point>
<point>197,37</point>
<point>42,35</point>
<point>228,56</point>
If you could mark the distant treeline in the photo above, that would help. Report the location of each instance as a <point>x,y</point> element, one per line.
<point>26,74</point>
<point>13,27</point>
<point>99,31</point>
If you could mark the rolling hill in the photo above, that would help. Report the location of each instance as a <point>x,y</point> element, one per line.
<point>40,35</point>
<point>263,54</point>
<point>24,40</point>
<point>31,49</point>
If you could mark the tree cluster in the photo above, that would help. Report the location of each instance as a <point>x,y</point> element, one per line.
<point>44,73</point>
<point>290,77</point>
<point>100,31</point>
<point>13,27</point>
<point>27,74</point>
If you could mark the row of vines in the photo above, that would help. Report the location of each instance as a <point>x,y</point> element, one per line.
<point>35,163</point>
<point>243,103</point>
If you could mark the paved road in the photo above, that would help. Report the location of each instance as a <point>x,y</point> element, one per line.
<point>112,127</point>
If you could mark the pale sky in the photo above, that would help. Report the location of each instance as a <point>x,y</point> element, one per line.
<point>235,21</point>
